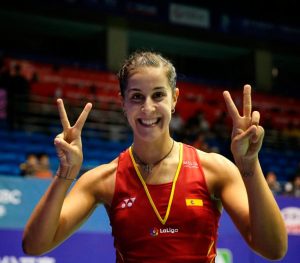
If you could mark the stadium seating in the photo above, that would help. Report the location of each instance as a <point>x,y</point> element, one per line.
<point>106,132</point>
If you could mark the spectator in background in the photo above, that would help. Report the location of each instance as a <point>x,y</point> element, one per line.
<point>36,165</point>
<point>35,78</point>
<point>220,127</point>
<point>43,168</point>
<point>202,123</point>
<point>176,126</point>
<point>273,184</point>
<point>195,125</point>
<point>30,166</point>
<point>200,143</point>
<point>288,189</point>
<point>292,187</point>
<point>296,185</point>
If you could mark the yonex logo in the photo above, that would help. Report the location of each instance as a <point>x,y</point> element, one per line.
<point>128,202</point>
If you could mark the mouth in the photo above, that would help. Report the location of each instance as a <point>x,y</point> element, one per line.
<point>149,122</point>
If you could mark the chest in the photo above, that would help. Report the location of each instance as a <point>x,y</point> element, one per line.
<point>171,209</point>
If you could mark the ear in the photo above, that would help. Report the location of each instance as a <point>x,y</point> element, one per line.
<point>175,97</point>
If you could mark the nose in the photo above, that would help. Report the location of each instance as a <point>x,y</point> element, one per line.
<point>148,106</point>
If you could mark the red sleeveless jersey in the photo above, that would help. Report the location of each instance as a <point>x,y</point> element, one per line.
<point>172,222</point>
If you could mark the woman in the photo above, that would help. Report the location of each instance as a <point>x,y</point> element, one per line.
<point>162,196</point>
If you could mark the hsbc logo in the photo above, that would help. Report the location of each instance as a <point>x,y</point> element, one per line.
<point>127,203</point>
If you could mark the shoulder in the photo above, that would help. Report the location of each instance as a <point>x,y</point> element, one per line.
<point>219,171</point>
<point>100,181</point>
<point>215,161</point>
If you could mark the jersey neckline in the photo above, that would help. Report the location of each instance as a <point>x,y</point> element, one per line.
<point>165,218</point>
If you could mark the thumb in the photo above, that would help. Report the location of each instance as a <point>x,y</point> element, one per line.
<point>249,134</point>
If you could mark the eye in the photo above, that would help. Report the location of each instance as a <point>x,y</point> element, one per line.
<point>159,95</point>
<point>136,97</point>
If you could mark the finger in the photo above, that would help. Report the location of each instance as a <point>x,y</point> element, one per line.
<point>258,135</point>
<point>254,133</point>
<point>83,116</point>
<point>247,134</point>
<point>62,145</point>
<point>255,118</point>
<point>63,114</point>
<point>232,110</point>
<point>247,104</point>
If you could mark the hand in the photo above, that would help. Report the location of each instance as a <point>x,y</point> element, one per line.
<point>68,143</point>
<point>247,135</point>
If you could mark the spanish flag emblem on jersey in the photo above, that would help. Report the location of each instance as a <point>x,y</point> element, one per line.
<point>193,202</point>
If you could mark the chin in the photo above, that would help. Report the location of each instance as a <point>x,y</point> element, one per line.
<point>150,136</point>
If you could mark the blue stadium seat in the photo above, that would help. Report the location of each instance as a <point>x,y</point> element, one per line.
<point>10,170</point>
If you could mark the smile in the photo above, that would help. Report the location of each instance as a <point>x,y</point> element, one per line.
<point>148,122</point>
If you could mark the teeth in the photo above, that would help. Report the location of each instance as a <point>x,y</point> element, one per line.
<point>149,122</point>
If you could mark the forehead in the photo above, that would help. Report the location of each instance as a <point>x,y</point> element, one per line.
<point>148,76</point>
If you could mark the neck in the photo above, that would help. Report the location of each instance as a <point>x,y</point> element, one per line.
<point>151,151</point>
<point>148,164</point>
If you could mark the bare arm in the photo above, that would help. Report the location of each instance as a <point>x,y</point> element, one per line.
<point>255,210</point>
<point>48,226</point>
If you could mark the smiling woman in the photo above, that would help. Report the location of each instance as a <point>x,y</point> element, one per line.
<point>162,196</point>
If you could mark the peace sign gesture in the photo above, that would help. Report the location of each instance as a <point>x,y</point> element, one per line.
<point>247,135</point>
<point>68,143</point>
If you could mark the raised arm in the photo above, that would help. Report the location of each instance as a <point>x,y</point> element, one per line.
<point>52,221</point>
<point>255,212</point>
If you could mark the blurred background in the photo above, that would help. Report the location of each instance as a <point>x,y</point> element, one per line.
<point>73,49</point>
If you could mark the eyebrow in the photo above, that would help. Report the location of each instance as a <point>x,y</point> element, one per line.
<point>137,89</point>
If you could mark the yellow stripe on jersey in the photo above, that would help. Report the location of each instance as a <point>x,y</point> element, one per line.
<point>162,220</point>
<point>194,202</point>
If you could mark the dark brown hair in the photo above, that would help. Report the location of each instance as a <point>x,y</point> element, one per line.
<point>145,59</point>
